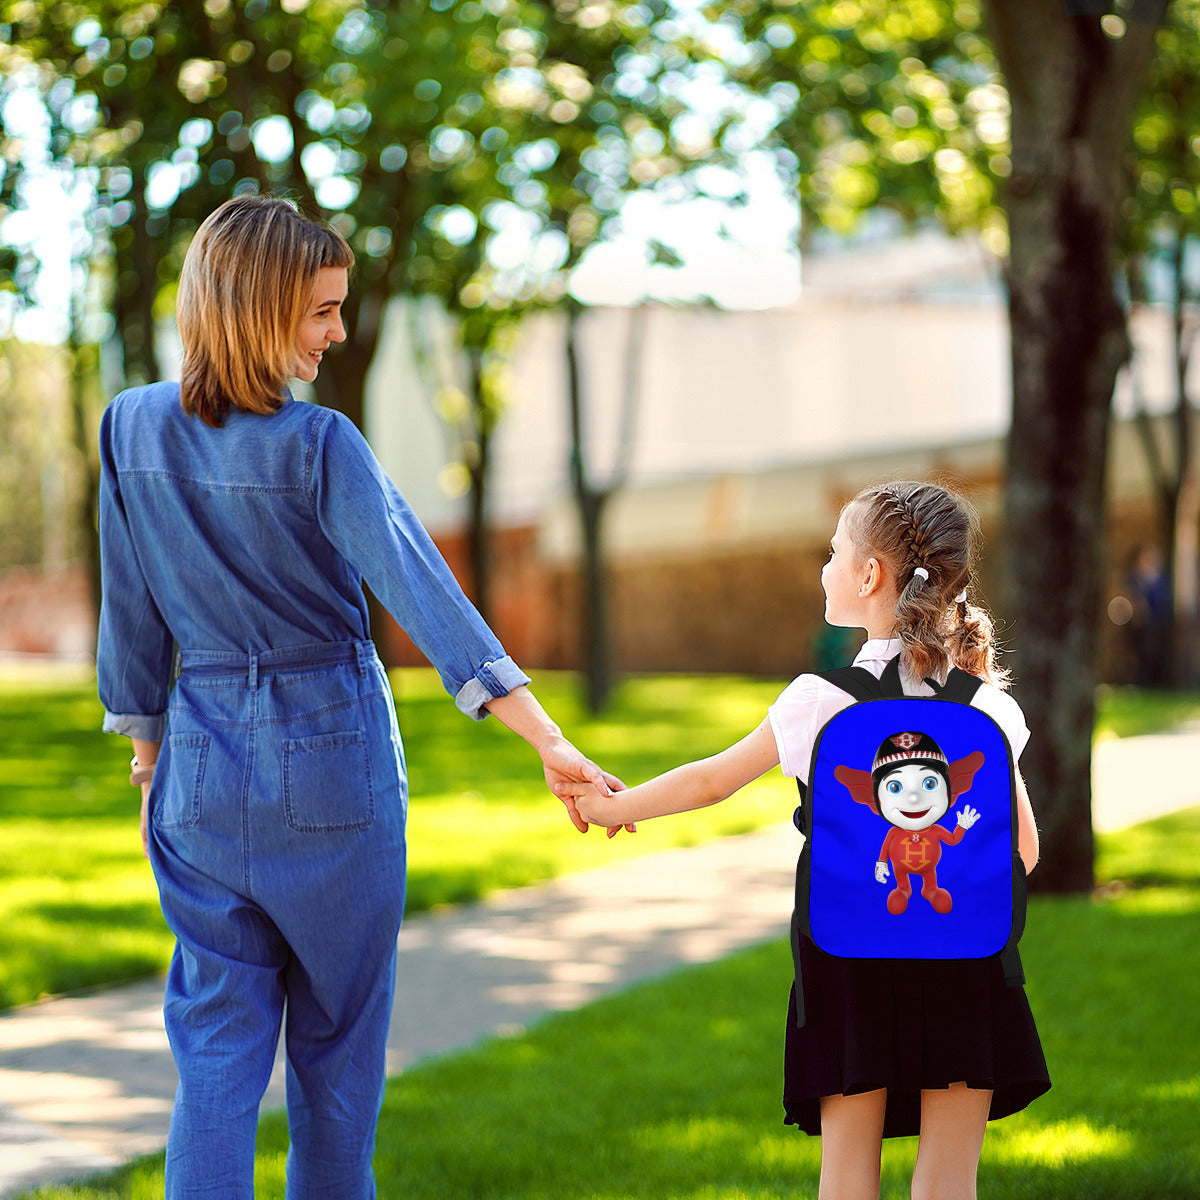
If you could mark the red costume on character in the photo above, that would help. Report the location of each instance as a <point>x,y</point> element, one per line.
<point>916,852</point>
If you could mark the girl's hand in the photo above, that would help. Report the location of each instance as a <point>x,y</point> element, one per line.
<point>593,806</point>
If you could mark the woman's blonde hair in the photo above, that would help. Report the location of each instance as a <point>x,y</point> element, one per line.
<point>925,534</point>
<point>248,275</point>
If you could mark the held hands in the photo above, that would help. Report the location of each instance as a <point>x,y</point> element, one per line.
<point>572,777</point>
<point>563,765</point>
<point>593,805</point>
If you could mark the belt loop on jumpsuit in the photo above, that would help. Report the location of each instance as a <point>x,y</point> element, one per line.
<point>364,657</point>
<point>252,676</point>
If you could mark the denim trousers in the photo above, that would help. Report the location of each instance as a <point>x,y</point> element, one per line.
<point>277,841</point>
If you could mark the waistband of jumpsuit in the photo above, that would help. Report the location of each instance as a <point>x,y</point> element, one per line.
<point>251,666</point>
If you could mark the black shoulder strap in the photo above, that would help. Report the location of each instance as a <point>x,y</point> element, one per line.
<point>959,686</point>
<point>859,684</point>
<point>854,681</point>
<point>862,685</point>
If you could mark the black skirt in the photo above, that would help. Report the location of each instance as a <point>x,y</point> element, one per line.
<point>907,1026</point>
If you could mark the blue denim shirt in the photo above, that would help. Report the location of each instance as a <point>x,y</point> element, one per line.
<point>257,536</point>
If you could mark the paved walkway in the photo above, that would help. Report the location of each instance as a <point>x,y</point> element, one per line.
<point>86,1082</point>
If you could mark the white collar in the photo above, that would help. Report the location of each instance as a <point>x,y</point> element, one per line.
<point>877,650</point>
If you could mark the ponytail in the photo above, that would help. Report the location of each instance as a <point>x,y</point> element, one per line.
<point>971,644</point>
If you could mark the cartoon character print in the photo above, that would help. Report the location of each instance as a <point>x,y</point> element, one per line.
<point>912,785</point>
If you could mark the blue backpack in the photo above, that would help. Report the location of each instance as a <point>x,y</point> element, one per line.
<point>910,829</point>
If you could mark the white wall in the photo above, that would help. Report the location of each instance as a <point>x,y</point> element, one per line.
<point>726,395</point>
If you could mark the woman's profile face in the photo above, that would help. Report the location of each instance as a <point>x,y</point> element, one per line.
<point>321,322</point>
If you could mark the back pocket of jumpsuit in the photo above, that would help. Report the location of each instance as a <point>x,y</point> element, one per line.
<point>177,806</point>
<point>327,783</point>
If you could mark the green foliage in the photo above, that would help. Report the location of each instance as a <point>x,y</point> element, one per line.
<point>670,1091</point>
<point>881,105</point>
<point>418,129</point>
<point>1163,210</point>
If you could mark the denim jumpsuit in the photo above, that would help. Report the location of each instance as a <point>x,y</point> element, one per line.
<point>234,629</point>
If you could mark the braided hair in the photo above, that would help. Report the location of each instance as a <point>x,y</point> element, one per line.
<point>924,534</point>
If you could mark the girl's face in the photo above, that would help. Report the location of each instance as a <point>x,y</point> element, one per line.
<point>321,322</point>
<point>913,796</point>
<point>842,578</point>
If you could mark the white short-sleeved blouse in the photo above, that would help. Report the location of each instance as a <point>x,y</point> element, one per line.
<point>808,702</point>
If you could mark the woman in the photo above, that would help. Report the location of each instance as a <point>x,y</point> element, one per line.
<point>237,526</point>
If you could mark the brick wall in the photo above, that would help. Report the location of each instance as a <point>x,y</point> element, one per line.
<point>755,609</point>
<point>46,611</point>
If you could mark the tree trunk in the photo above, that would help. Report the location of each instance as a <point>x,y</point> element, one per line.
<point>591,501</point>
<point>82,360</point>
<point>1184,551</point>
<point>1072,92</point>
<point>137,256</point>
<point>478,466</point>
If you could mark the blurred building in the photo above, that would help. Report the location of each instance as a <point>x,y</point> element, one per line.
<point>750,430</point>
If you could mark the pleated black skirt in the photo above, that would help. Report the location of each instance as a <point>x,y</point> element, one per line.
<point>908,1026</point>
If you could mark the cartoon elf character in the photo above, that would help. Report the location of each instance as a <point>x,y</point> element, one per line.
<point>912,786</point>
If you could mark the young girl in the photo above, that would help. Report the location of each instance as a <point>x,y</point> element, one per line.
<point>890,1048</point>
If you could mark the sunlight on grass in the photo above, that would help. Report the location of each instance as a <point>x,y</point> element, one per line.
<point>1129,711</point>
<point>1056,1144</point>
<point>1161,853</point>
<point>691,1136</point>
<point>1159,902</point>
<point>1180,1090</point>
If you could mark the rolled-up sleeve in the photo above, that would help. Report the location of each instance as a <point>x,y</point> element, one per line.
<point>135,649</point>
<point>370,524</point>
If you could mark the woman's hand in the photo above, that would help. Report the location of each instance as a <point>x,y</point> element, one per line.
<point>562,763</point>
<point>145,755</point>
<point>145,821</point>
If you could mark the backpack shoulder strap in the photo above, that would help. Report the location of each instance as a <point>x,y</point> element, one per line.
<point>854,681</point>
<point>959,686</point>
<point>859,684</point>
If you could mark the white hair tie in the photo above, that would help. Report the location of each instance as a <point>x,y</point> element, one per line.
<point>961,598</point>
<point>924,574</point>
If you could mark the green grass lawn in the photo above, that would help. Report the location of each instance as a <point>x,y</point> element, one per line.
<point>670,1091</point>
<point>77,901</point>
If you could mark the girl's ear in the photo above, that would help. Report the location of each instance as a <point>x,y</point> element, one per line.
<point>872,577</point>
